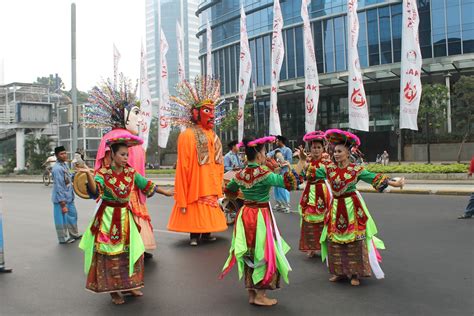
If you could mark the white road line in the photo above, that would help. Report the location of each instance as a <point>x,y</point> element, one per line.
<point>169,232</point>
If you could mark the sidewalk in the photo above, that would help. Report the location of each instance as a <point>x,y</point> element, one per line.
<point>440,187</point>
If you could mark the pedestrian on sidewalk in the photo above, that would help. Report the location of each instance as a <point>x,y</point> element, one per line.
<point>112,245</point>
<point>385,158</point>
<point>65,213</point>
<point>282,155</point>
<point>257,246</point>
<point>469,212</point>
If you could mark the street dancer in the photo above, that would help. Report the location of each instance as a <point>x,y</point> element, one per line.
<point>257,247</point>
<point>316,196</point>
<point>348,239</point>
<point>113,248</point>
<point>115,108</point>
<point>200,165</point>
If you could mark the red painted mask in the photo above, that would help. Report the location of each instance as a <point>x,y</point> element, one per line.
<point>206,117</point>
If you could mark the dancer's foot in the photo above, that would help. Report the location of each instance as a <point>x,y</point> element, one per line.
<point>311,254</point>
<point>252,295</point>
<point>464,216</point>
<point>193,242</point>
<point>336,278</point>
<point>208,237</point>
<point>135,293</point>
<point>355,281</point>
<point>262,300</point>
<point>117,299</point>
<point>147,255</point>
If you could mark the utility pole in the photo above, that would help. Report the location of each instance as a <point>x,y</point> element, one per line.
<point>73,73</point>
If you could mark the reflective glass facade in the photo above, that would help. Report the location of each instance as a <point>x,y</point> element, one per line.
<point>446,29</point>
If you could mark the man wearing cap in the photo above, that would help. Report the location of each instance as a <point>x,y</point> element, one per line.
<point>65,214</point>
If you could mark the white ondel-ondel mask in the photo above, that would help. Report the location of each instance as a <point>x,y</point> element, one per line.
<point>133,119</point>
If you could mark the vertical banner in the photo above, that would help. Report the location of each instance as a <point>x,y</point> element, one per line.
<point>278,52</point>
<point>145,100</point>
<point>244,73</point>
<point>180,40</point>
<point>116,61</point>
<point>163,121</point>
<point>209,50</point>
<point>311,80</point>
<point>358,109</point>
<point>410,72</point>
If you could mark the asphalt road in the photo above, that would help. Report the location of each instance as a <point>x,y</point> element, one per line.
<point>428,265</point>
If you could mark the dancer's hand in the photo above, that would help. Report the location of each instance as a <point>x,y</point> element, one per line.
<point>301,153</point>
<point>398,182</point>
<point>169,192</point>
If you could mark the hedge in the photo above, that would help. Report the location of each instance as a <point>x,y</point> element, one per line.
<point>393,168</point>
<point>418,168</point>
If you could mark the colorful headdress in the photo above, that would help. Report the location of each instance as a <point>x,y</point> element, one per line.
<point>337,136</point>
<point>261,141</point>
<point>107,104</point>
<point>126,138</point>
<point>205,91</point>
<point>315,135</point>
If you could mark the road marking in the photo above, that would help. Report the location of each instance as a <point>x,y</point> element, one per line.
<point>169,232</point>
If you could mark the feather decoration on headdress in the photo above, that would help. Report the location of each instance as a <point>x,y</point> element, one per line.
<point>107,104</point>
<point>205,90</point>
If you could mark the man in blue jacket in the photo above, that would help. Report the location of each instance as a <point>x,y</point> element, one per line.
<point>282,154</point>
<point>65,214</point>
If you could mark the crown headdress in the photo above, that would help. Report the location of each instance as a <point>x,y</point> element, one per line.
<point>204,91</point>
<point>107,104</point>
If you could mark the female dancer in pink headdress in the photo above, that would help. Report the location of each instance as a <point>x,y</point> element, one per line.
<point>257,248</point>
<point>316,196</point>
<point>348,239</point>
<point>117,108</point>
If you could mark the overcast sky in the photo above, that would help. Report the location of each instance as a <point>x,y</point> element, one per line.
<point>35,39</point>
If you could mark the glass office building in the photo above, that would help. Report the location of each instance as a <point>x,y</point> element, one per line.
<point>446,38</point>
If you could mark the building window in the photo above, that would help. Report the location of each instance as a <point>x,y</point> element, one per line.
<point>453,22</point>
<point>385,36</point>
<point>318,45</point>
<point>260,54</point>
<point>339,40</point>
<point>439,28</point>
<point>425,29</point>
<point>299,41</point>
<point>467,26</point>
<point>362,45</point>
<point>373,37</point>
<point>328,45</point>
<point>267,50</point>
<point>290,53</point>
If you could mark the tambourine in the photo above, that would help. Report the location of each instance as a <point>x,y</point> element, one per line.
<point>80,185</point>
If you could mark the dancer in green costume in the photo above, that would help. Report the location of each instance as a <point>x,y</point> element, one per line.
<point>112,244</point>
<point>257,248</point>
<point>348,239</point>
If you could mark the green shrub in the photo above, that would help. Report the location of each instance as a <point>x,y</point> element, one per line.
<point>418,168</point>
<point>160,171</point>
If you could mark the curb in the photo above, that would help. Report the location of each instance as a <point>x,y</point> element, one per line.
<point>421,191</point>
<point>167,183</point>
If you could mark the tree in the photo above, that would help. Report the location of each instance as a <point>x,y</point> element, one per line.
<point>463,112</point>
<point>37,150</point>
<point>154,153</point>
<point>432,112</point>
<point>229,121</point>
<point>55,83</point>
